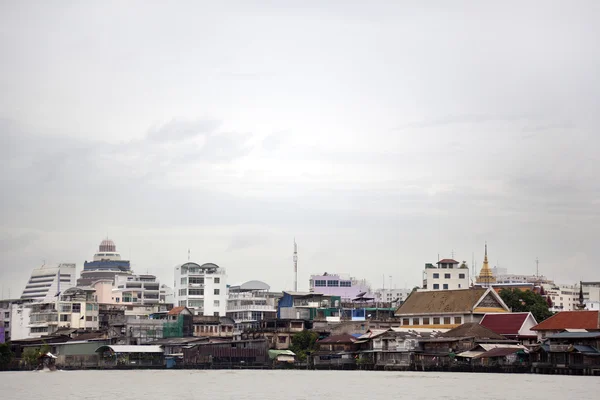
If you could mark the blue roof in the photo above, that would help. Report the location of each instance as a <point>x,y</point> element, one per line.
<point>586,349</point>
<point>356,334</point>
<point>575,335</point>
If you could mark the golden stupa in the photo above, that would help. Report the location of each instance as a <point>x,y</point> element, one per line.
<point>485,278</point>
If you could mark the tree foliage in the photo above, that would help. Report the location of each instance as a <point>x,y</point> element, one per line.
<point>526,301</point>
<point>6,356</point>
<point>303,343</point>
<point>31,355</point>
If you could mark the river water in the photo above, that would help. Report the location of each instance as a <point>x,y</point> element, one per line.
<point>290,385</point>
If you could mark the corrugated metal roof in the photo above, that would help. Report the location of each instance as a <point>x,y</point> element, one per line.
<point>132,349</point>
<point>470,354</point>
<point>575,335</point>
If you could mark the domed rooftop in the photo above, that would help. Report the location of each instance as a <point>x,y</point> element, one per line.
<point>107,245</point>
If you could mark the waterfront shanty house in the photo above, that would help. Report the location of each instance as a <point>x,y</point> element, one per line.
<point>391,348</point>
<point>277,332</point>
<point>339,351</point>
<point>130,356</point>
<point>215,327</point>
<point>282,357</point>
<point>496,355</point>
<point>447,309</point>
<point>568,353</point>
<point>441,350</point>
<point>251,353</point>
<point>79,353</point>
<point>174,346</point>
<point>515,326</point>
<point>568,320</point>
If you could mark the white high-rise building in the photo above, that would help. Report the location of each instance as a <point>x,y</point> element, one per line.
<point>45,282</point>
<point>564,297</point>
<point>591,295</point>
<point>445,275</point>
<point>395,296</point>
<point>202,288</point>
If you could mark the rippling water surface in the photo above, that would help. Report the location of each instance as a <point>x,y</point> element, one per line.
<point>284,385</point>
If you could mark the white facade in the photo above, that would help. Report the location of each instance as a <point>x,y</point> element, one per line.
<point>19,320</point>
<point>77,308</point>
<point>564,297</point>
<point>591,295</point>
<point>251,302</point>
<point>391,295</point>
<point>516,279</point>
<point>202,288</point>
<point>445,275</point>
<point>44,283</point>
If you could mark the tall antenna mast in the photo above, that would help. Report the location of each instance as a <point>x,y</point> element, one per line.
<point>537,267</point>
<point>295,266</point>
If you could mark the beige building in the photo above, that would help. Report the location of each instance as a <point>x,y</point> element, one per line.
<point>448,309</point>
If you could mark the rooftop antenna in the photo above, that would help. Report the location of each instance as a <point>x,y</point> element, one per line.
<point>537,267</point>
<point>188,254</point>
<point>453,254</point>
<point>295,266</point>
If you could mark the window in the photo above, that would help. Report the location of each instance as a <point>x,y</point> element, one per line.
<point>6,315</point>
<point>415,321</point>
<point>436,320</point>
<point>458,320</point>
<point>216,303</point>
<point>217,280</point>
<point>282,339</point>
<point>194,280</point>
<point>445,286</point>
<point>89,307</point>
<point>76,307</point>
<point>196,292</point>
<point>436,276</point>
<point>183,292</point>
<point>436,286</point>
<point>184,281</point>
<point>320,283</point>
<point>447,276</point>
<point>425,321</point>
<point>333,283</point>
<point>95,318</point>
<point>405,321</point>
<point>461,276</point>
<point>182,303</point>
<point>459,285</point>
<point>88,318</point>
<point>216,314</point>
<point>345,284</point>
<point>447,321</point>
<point>64,318</point>
<point>196,303</point>
<point>217,291</point>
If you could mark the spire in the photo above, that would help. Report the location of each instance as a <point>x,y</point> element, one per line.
<point>581,305</point>
<point>486,277</point>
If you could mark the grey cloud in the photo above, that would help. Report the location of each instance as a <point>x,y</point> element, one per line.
<point>177,130</point>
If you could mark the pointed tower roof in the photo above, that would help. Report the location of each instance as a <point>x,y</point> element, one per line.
<point>486,277</point>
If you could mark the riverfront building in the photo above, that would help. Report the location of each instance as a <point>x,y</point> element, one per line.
<point>445,275</point>
<point>106,264</point>
<point>47,281</point>
<point>202,288</point>
<point>447,309</point>
<point>250,303</point>
<point>347,288</point>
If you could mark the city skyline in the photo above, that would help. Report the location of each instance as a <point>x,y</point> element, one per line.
<point>382,136</point>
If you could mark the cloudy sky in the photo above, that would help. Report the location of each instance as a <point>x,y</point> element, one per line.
<point>379,134</point>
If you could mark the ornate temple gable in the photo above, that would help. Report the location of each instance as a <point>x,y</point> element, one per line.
<point>489,301</point>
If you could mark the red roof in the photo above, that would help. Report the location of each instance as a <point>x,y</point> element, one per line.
<point>504,324</point>
<point>447,261</point>
<point>570,320</point>
<point>176,310</point>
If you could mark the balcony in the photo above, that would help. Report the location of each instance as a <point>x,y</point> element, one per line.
<point>252,307</point>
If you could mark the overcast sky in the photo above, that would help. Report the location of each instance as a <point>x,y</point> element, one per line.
<point>379,134</point>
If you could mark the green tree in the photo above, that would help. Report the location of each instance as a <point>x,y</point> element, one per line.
<point>303,343</point>
<point>31,354</point>
<point>526,301</point>
<point>6,356</point>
